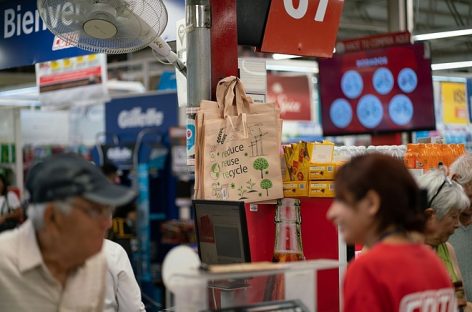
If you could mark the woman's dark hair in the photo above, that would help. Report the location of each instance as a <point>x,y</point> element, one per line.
<point>401,202</point>
<point>3,180</point>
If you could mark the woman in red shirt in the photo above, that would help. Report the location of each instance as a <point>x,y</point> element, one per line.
<point>378,204</point>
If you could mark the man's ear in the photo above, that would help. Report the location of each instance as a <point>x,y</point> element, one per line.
<point>49,214</point>
<point>429,213</point>
<point>372,202</point>
<point>455,177</point>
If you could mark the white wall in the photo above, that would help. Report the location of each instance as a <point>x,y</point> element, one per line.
<point>45,127</point>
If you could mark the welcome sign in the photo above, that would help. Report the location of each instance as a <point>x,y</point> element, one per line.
<point>22,29</point>
<point>25,39</point>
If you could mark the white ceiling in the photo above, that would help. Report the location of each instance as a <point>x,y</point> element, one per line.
<point>367,17</point>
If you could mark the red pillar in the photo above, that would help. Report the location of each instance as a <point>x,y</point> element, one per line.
<point>224,41</point>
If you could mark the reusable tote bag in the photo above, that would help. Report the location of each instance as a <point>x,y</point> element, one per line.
<point>238,157</point>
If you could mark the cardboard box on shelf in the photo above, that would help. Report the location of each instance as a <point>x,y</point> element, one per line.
<point>321,152</point>
<point>321,189</point>
<point>322,171</point>
<point>295,189</point>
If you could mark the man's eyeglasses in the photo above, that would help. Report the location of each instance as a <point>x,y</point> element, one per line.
<point>95,211</point>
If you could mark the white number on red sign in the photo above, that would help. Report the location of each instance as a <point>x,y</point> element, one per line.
<point>300,12</point>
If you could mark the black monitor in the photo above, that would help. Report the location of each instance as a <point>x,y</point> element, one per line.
<point>222,234</point>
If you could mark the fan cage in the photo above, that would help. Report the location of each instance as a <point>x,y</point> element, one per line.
<point>149,19</point>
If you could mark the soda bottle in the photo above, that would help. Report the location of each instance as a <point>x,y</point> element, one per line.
<point>288,244</point>
<point>288,239</point>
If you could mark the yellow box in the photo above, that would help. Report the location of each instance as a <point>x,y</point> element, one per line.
<point>321,189</point>
<point>319,171</point>
<point>295,188</point>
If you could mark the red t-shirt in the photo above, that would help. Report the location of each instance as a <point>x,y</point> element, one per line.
<point>398,278</point>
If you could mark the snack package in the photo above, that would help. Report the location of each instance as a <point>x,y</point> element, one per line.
<point>295,189</point>
<point>288,150</point>
<point>322,171</point>
<point>321,152</point>
<point>321,189</point>
<point>299,162</point>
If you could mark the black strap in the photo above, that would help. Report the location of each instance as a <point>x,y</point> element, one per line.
<point>5,202</point>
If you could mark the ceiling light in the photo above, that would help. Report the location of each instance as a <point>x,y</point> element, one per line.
<point>443,34</point>
<point>452,65</point>
<point>298,66</point>
<point>277,56</point>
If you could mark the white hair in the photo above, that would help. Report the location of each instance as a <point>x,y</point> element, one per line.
<point>450,196</point>
<point>36,211</point>
<point>461,169</point>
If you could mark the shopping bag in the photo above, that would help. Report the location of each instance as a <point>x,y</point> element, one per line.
<point>238,146</point>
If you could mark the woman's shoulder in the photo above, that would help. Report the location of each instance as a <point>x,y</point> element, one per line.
<point>389,252</point>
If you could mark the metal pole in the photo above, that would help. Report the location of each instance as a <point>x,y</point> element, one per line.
<point>198,23</point>
<point>400,18</point>
<point>397,15</point>
<point>18,150</point>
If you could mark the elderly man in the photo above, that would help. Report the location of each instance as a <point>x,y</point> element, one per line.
<point>461,171</point>
<point>53,261</point>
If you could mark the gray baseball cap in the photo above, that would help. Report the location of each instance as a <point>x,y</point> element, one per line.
<point>67,175</point>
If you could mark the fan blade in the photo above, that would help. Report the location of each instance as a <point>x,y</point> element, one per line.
<point>129,27</point>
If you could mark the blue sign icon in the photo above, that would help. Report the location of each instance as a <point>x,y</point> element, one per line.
<point>400,109</point>
<point>340,113</point>
<point>407,80</point>
<point>370,111</point>
<point>352,84</point>
<point>383,80</point>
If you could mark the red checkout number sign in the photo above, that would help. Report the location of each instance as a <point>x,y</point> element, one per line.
<point>302,27</point>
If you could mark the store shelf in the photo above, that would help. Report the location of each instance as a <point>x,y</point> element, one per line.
<point>9,166</point>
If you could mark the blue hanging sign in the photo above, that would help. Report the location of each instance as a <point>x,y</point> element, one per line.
<point>25,39</point>
<point>127,116</point>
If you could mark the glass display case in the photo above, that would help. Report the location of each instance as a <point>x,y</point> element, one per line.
<point>260,286</point>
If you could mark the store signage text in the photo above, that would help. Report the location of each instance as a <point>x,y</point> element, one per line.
<point>291,24</point>
<point>374,42</point>
<point>136,118</point>
<point>119,153</point>
<point>300,11</point>
<point>288,106</point>
<point>17,23</point>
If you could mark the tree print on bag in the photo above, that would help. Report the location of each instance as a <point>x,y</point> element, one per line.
<point>261,164</point>
<point>266,184</point>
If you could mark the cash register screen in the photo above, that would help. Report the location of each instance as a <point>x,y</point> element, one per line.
<point>221,232</point>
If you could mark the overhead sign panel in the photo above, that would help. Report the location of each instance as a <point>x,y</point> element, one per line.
<point>25,39</point>
<point>303,27</point>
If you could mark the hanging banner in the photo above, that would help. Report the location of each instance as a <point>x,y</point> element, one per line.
<point>292,94</point>
<point>374,42</point>
<point>73,80</point>
<point>454,105</point>
<point>126,117</point>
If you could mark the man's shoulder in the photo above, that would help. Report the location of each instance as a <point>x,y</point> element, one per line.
<point>9,241</point>
<point>112,249</point>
